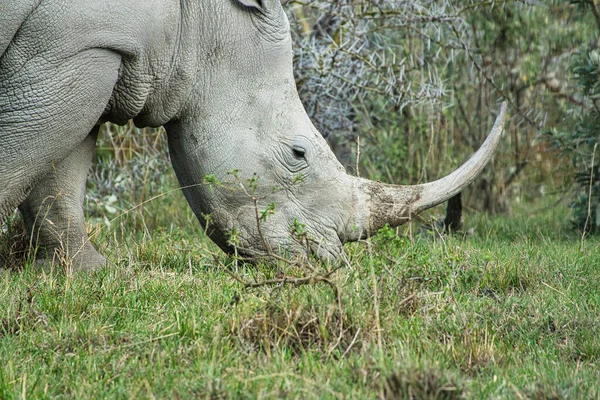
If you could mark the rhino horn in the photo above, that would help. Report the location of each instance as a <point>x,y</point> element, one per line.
<point>379,204</point>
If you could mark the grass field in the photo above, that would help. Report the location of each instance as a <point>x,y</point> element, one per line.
<point>512,311</point>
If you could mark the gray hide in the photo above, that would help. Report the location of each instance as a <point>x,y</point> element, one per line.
<point>218,75</point>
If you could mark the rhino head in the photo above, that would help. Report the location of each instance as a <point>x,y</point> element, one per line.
<point>244,125</point>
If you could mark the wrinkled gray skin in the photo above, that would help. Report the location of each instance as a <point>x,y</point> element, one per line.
<point>218,75</point>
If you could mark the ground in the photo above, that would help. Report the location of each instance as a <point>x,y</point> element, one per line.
<point>511,311</point>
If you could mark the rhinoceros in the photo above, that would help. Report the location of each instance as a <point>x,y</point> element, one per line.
<point>217,74</point>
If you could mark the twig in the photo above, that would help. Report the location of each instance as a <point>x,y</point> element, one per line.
<point>285,280</point>
<point>357,156</point>
<point>562,294</point>
<point>154,339</point>
<point>589,205</point>
<point>351,343</point>
<point>595,11</point>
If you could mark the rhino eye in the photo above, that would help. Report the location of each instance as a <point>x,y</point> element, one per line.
<point>299,152</point>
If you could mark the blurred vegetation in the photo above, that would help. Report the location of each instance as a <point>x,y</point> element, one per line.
<point>577,136</point>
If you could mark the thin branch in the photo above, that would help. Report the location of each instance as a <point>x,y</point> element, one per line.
<point>594,6</point>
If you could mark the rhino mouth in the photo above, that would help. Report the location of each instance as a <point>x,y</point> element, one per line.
<point>286,248</point>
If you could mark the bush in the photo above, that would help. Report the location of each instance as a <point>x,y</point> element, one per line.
<point>577,138</point>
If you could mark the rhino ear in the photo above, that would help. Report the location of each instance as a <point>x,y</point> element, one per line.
<point>253,3</point>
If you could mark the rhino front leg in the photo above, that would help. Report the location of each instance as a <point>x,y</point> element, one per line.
<point>53,212</point>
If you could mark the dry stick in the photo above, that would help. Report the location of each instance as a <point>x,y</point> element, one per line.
<point>351,343</point>
<point>315,278</point>
<point>357,156</point>
<point>262,237</point>
<point>286,280</point>
<point>376,305</point>
<point>589,205</point>
<point>338,297</point>
<point>375,294</point>
<point>595,11</point>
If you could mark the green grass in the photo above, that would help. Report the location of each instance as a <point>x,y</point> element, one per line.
<point>510,312</point>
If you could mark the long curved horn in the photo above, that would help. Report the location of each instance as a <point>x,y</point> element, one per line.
<point>378,204</point>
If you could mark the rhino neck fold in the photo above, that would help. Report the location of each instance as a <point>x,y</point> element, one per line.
<point>160,60</point>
